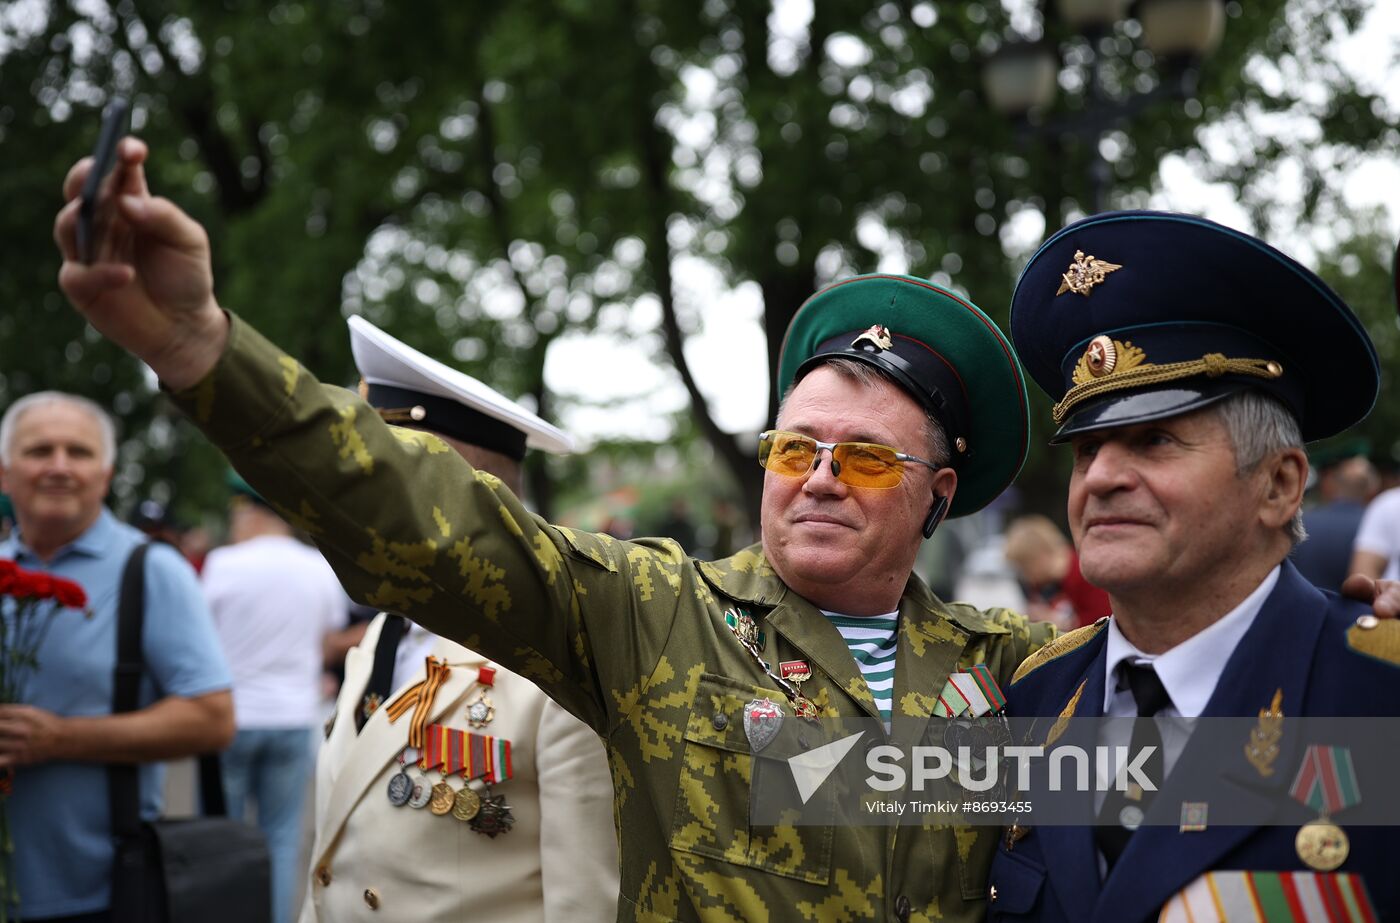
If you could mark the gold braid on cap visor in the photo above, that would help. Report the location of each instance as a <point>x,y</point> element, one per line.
<point>1130,370</point>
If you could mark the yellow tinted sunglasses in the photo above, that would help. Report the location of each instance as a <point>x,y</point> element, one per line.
<point>859,464</point>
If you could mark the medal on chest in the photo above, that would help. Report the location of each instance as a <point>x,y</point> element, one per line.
<point>481,711</point>
<point>973,703</point>
<point>481,758</point>
<point>1326,782</point>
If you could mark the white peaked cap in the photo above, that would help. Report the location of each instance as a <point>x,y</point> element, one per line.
<point>383,360</point>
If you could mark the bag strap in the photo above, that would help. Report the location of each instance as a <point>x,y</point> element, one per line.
<point>122,780</point>
<point>122,791</point>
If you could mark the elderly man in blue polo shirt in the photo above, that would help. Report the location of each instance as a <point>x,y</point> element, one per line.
<point>56,457</point>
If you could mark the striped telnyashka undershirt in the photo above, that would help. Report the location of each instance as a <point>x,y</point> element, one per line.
<point>873,641</point>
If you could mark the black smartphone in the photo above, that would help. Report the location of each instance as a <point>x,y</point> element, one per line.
<point>95,212</point>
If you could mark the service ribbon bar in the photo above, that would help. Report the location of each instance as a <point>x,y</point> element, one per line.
<point>967,686</point>
<point>1272,897</point>
<point>951,702</point>
<point>1326,781</point>
<point>987,684</point>
<point>475,756</point>
<point>502,767</point>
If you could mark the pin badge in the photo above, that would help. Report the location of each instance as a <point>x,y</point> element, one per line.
<point>763,719</point>
<point>795,671</point>
<point>1193,816</point>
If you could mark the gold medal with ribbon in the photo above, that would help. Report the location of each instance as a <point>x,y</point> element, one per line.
<point>1326,782</point>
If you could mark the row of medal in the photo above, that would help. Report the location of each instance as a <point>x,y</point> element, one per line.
<point>452,752</point>
<point>486,813</point>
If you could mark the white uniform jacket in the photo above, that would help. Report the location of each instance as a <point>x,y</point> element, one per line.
<point>373,861</point>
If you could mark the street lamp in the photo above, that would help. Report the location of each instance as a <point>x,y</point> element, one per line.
<point>1020,78</point>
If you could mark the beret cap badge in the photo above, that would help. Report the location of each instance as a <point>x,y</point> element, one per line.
<point>1085,273</point>
<point>877,336</point>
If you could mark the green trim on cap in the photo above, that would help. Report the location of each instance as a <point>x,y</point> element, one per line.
<point>968,339</point>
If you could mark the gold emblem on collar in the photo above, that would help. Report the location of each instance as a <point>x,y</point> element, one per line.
<point>1262,748</point>
<point>1085,273</point>
<point>877,336</point>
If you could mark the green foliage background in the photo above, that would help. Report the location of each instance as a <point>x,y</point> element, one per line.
<point>480,178</point>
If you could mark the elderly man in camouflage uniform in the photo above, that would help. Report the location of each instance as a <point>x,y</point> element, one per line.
<point>637,639</point>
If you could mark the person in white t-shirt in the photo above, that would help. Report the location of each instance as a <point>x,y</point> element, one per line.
<point>274,599</point>
<point>1376,551</point>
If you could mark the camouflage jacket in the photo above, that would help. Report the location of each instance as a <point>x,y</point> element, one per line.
<point>628,636</point>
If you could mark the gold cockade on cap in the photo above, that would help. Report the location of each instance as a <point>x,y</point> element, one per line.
<point>1109,365</point>
<point>877,336</point>
<point>1085,273</point>
<point>1104,356</point>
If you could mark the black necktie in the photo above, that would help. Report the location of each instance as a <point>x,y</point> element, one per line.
<point>381,674</point>
<point>1123,811</point>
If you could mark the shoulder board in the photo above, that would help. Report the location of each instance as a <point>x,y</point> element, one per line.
<point>1059,647</point>
<point>1378,638</point>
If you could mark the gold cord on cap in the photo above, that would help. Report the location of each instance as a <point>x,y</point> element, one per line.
<point>1111,365</point>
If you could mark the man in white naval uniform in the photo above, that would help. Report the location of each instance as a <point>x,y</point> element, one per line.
<point>555,858</point>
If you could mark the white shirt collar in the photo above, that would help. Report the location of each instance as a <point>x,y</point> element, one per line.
<point>1191,670</point>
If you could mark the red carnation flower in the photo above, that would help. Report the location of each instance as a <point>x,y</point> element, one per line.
<point>69,593</point>
<point>33,584</point>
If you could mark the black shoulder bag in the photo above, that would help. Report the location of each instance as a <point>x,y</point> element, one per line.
<point>211,869</point>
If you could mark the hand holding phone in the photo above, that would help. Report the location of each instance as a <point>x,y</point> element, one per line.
<point>95,212</point>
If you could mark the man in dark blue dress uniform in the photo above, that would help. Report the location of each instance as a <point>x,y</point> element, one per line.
<point>1189,363</point>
